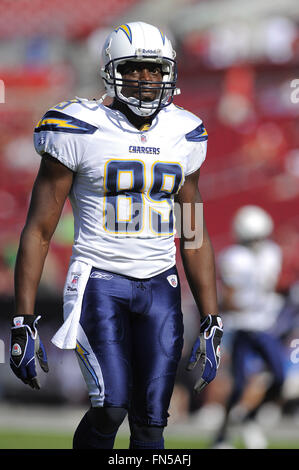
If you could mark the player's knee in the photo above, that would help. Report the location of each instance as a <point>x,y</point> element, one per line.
<point>107,419</point>
<point>146,433</point>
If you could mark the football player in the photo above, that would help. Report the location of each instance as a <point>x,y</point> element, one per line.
<point>122,166</point>
<point>249,272</point>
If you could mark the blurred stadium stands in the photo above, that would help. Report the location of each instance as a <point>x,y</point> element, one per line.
<point>236,63</point>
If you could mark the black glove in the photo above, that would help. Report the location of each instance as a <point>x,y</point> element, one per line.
<point>206,351</point>
<point>25,345</point>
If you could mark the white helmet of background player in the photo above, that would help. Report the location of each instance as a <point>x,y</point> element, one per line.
<point>139,42</point>
<point>252,223</point>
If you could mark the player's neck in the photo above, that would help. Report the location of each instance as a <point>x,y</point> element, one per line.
<point>135,120</point>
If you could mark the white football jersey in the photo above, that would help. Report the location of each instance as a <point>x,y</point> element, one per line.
<point>253,275</point>
<point>125,181</point>
<point>268,256</point>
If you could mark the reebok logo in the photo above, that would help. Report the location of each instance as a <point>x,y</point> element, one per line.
<point>97,275</point>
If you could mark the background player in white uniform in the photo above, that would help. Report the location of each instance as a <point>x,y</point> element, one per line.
<point>249,272</point>
<point>122,166</point>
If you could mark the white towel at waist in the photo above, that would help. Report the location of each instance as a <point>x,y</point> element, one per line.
<point>76,280</point>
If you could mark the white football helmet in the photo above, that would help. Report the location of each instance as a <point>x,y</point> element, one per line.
<point>139,42</point>
<point>252,223</point>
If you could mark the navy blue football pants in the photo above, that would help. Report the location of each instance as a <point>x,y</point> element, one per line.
<point>130,341</point>
<point>268,348</point>
<point>264,345</point>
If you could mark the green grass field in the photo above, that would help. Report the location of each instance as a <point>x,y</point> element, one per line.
<point>46,440</point>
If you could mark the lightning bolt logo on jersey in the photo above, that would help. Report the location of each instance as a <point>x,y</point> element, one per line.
<point>126,179</point>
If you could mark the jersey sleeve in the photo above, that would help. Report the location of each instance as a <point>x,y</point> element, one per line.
<point>196,143</point>
<point>63,137</point>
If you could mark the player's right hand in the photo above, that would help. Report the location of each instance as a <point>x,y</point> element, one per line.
<point>25,347</point>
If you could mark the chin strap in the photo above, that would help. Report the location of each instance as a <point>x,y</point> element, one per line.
<point>103,97</point>
<point>141,111</point>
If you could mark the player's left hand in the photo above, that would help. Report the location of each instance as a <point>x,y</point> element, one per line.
<point>25,345</point>
<point>206,351</point>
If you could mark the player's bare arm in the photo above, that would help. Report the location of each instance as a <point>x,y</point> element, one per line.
<point>51,188</point>
<point>227,298</point>
<point>199,265</point>
<point>198,262</point>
